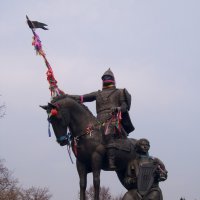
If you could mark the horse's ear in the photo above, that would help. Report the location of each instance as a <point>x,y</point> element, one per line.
<point>51,105</point>
<point>44,107</point>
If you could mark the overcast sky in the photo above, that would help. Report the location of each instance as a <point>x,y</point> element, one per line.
<point>152,46</point>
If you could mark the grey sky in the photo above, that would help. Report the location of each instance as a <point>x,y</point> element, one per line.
<point>151,46</point>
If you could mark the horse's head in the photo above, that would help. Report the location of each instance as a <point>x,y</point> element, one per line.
<point>65,112</point>
<point>59,120</point>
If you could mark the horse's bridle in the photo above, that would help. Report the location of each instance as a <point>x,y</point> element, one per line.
<point>63,138</point>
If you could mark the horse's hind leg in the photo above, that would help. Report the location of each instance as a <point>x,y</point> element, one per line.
<point>131,195</point>
<point>83,178</point>
<point>96,168</point>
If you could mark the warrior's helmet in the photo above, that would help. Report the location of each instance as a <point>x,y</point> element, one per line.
<point>108,78</point>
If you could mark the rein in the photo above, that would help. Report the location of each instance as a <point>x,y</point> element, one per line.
<point>87,131</point>
<point>66,137</point>
<point>114,120</point>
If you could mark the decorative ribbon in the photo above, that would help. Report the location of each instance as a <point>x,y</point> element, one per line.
<point>81,98</point>
<point>37,45</point>
<point>49,130</point>
<point>69,152</point>
<point>119,119</point>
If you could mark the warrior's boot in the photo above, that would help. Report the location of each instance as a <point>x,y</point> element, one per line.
<point>111,158</point>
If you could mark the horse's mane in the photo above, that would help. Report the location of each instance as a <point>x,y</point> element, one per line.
<point>62,97</point>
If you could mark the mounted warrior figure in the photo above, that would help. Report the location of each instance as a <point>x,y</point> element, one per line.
<point>112,106</point>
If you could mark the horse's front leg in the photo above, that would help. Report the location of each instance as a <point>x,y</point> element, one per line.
<point>96,169</point>
<point>82,178</point>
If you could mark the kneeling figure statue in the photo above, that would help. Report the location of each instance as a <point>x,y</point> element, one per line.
<point>144,174</point>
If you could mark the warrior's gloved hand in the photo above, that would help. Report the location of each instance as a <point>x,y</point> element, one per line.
<point>115,109</point>
<point>160,174</point>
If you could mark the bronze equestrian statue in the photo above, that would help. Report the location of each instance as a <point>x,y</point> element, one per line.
<point>92,138</point>
<point>87,141</point>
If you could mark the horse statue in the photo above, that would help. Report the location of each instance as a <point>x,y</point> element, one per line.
<point>87,141</point>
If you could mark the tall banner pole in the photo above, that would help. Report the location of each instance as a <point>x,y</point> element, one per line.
<point>33,25</point>
<point>55,91</point>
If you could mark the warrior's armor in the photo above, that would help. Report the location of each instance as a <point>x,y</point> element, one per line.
<point>109,99</point>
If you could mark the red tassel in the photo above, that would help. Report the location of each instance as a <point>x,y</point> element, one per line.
<point>119,119</point>
<point>54,112</point>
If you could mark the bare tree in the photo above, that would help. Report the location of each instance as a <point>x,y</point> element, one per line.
<point>6,180</point>
<point>34,193</point>
<point>105,194</point>
<point>8,184</point>
<point>9,189</point>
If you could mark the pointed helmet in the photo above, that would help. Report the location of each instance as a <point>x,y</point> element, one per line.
<point>108,75</point>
